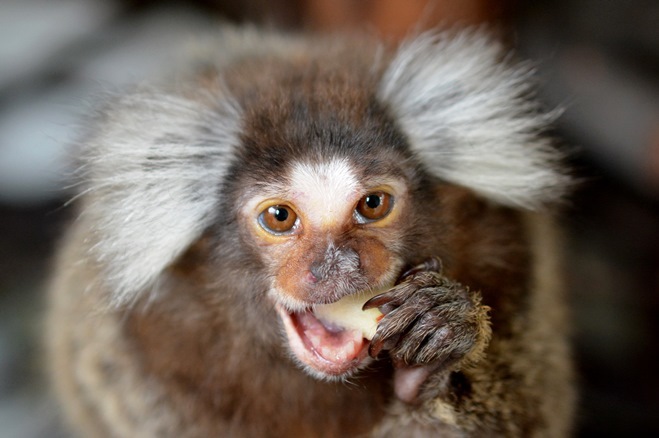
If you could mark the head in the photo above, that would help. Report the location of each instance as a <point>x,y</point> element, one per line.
<point>319,165</point>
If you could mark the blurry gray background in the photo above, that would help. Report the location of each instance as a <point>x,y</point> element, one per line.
<point>597,59</point>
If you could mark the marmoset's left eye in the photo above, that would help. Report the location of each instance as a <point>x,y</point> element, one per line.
<point>374,206</point>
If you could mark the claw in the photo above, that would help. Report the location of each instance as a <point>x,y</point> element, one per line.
<point>382,344</point>
<point>376,347</point>
<point>377,301</point>
<point>433,264</point>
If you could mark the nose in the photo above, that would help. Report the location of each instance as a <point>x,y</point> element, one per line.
<point>315,272</point>
<point>335,261</point>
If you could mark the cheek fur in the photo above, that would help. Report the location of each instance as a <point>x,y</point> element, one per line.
<point>292,270</point>
<point>375,258</point>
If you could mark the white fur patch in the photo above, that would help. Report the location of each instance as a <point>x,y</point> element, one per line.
<point>152,173</point>
<point>326,192</point>
<point>467,114</point>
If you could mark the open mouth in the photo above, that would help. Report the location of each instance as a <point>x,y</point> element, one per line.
<point>326,349</point>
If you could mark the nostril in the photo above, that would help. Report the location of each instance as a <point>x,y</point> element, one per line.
<point>311,277</point>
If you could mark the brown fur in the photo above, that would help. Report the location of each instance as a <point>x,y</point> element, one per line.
<point>181,366</point>
<point>202,354</point>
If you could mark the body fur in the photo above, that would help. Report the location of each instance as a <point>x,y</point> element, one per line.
<point>161,322</point>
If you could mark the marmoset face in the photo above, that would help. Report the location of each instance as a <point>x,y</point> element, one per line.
<point>325,184</point>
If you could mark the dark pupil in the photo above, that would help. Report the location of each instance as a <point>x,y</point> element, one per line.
<point>372,201</point>
<point>281,214</point>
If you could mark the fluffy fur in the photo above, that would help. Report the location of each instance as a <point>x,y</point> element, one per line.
<point>325,186</point>
<point>163,317</point>
<point>156,163</point>
<point>468,115</point>
<point>151,176</point>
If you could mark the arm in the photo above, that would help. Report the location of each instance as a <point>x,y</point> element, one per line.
<point>455,376</point>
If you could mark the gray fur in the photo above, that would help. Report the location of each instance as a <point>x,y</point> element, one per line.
<point>467,115</point>
<point>206,358</point>
<point>156,160</point>
<point>152,173</point>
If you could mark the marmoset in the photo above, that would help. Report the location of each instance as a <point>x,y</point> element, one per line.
<point>225,210</point>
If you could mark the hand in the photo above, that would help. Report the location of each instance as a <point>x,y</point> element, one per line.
<point>430,323</point>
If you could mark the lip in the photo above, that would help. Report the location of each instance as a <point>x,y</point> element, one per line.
<point>327,352</point>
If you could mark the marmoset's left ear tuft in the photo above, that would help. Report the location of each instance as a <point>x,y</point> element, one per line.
<point>468,115</point>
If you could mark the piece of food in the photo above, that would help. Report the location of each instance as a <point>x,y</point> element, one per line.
<point>347,313</point>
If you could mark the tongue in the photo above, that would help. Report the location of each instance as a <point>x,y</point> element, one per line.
<point>332,344</point>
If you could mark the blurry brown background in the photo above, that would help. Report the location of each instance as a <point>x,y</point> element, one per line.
<point>597,59</point>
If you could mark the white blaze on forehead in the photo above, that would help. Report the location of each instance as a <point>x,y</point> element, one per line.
<point>325,192</point>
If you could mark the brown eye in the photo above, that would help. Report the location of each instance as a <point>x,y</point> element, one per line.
<point>278,219</point>
<point>374,206</point>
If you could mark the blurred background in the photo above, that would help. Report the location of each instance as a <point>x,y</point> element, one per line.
<point>598,59</point>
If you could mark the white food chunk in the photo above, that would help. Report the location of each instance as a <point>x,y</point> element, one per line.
<point>347,313</point>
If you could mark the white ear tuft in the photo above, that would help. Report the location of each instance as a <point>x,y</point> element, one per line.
<point>152,173</point>
<point>467,114</point>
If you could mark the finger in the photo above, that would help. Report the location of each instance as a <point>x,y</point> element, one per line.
<point>392,325</point>
<point>378,301</point>
<point>433,264</point>
<point>436,347</point>
<point>391,299</point>
<point>407,349</point>
<point>414,347</point>
<point>382,344</point>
